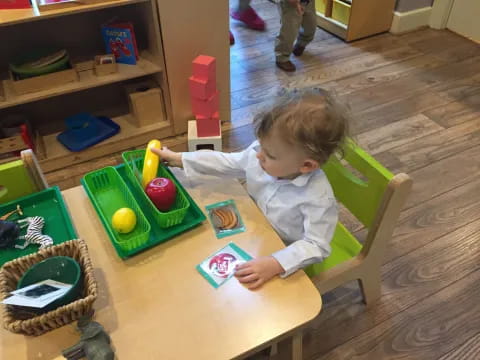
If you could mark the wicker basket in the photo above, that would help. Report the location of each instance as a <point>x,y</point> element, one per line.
<point>11,272</point>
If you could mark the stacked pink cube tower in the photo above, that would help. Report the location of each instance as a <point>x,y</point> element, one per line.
<point>204,96</point>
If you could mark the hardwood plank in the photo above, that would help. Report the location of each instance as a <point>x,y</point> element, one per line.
<point>405,336</point>
<point>397,133</point>
<point>456,112</point>
<point>429,149</point>
<point>469,350</point>
<point>430,220</point>
<point>440,176</point>
<point>409,104</point>
<point>383,74</point>
<point>405,281</point>
<point>264,87</point>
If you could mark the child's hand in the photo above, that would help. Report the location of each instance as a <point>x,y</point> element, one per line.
<point>169,157</point>
<point>255,273</point>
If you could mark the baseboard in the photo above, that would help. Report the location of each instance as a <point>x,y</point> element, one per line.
<point>410,20</point>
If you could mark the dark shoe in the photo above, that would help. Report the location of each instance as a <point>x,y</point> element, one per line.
<point>232,39</point>
<point>286,66</point>
<point>298,50</point>
<point>250,18</point>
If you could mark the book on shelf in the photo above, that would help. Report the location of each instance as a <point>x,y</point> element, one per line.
<point>119,38</point>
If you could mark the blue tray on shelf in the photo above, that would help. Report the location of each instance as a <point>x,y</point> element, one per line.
<point>85,130</point>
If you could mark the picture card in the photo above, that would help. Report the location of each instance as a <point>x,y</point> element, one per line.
<point>220,266</point>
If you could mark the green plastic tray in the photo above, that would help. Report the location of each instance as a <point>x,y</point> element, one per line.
<point>133,161</point>
<point>47,203</point>
<point>108,193</point>
<point>193,217</point>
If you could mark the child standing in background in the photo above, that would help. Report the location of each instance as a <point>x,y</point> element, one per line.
<point>284,177</point>
<point>298,19</point>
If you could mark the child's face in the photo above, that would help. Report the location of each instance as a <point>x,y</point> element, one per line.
<point>280,159</point>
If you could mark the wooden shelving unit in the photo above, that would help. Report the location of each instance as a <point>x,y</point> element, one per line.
<point>55,156</point>
<point>87,80</point>
<point>168,40</point>
<point>11,17</point>
<point>354,19</point>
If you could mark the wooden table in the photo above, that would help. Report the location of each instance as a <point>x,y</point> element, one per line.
<point>156,306</point>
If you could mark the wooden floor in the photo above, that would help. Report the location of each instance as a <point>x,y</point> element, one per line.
<point>416,103</point>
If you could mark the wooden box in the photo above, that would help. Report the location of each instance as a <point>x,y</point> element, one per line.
<point>43,82</point>
<point>11,144</point>
<point>146,103</point>
<point>105,65</point>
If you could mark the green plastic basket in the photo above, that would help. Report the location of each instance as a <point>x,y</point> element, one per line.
<point>108,193</point>
<point>134,164</point>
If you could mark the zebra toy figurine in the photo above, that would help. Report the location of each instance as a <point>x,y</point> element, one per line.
<point>34,233</point>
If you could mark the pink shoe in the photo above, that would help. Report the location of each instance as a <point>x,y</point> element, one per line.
<point>250,18</point>
<point>232,39</point>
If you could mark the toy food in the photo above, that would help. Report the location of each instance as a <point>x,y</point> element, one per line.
<point>224,218</point>
<point>124,220</point>
<point>162,192</point>
<point>150,163</point>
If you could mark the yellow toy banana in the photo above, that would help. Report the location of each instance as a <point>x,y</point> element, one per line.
<point>150,163</point>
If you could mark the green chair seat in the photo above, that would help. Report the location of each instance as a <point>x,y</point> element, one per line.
<point>344,247</point>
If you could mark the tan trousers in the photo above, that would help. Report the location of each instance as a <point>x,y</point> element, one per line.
<point>294,26</point>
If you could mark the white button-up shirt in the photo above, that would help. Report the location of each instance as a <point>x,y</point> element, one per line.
<point>303,211</point>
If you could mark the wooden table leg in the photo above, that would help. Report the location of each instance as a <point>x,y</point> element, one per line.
<point>273,349</point>
<point>297,346</point>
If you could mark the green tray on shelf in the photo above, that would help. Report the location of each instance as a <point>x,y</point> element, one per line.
<point>47,203</point>
<point>193,217</point>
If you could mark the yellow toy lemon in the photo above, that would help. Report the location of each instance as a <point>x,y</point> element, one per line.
<point>124,220</point>
<point>150,162</point>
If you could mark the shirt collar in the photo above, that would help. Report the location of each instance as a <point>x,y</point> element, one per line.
<point>300,180</point>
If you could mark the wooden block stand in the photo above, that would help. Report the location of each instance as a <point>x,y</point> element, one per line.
<point>202,143</point>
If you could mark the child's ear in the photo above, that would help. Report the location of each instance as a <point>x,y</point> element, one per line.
<point>309,165</point>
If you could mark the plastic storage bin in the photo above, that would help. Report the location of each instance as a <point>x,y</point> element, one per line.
<point>134,164</point>
<point>108,193</point>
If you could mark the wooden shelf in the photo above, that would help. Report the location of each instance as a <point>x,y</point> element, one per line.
<point>357,19</point>
<point>56,156</point>
<point>332,25</point>
<point>10,17</point>
<point>87,80</point>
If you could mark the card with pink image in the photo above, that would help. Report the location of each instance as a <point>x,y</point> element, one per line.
<point>220,266</point>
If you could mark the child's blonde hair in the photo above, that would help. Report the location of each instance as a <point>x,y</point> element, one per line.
<point>309,119</point>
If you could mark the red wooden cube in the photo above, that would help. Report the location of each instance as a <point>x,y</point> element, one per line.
<point>208,127</point>
<point>200,88</point>
<point>205,108</point>
<point>204,67</point>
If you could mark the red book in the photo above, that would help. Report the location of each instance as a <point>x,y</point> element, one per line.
<point>15,4</point>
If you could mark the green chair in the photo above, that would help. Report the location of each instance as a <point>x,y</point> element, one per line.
<point>376,202</point>
<point>21,177</point>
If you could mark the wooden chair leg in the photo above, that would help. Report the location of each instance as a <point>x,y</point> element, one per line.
<point>370,284</point>
<point>297,346</point>
<point>273,349</point>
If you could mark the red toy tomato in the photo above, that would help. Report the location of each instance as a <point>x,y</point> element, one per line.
<point>162,192</point>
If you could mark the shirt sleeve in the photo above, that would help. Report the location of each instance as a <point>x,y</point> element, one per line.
<point>319,224</point>
<point>215,163</point>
